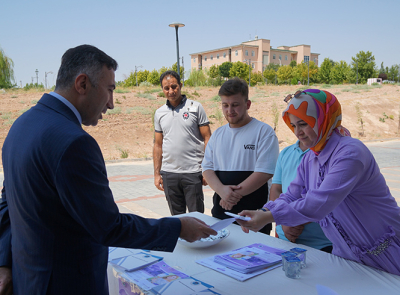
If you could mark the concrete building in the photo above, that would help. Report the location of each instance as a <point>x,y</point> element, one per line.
<point>258,52</point>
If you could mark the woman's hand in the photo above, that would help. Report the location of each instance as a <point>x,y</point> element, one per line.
<point>259,219</point>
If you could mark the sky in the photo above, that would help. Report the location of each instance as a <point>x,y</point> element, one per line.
<point>35,34</point>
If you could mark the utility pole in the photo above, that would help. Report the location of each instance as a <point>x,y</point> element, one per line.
<point>307,59</point>
<point>249,71</point>
<point>136,67</point>
<point>183,73</point>
<point>37,77</point>
<point>357,72</point>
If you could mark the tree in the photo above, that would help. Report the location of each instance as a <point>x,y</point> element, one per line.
<point>293,63</point>
<point>130,81</point>
<point>6,70</point>
<point>256,78</point>
<point>162,70</point>
<point>142,76</point>
<point>393,72</point>
<point>154,77</point>
<point>181,69</point>
<point>240,70</point>
<point>284,74</point>
<point>270,75</point>
<point>303,71</point>
<point>224,69</point>
<point>341,73</point>
<point>382,70</point>
<point>365,63</point>
<point>213,71</point>
<point>325,70</point>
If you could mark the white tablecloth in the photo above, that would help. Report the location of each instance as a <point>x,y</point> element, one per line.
<point>341,275</point>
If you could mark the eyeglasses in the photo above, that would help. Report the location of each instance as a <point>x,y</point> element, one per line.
<point>296,95</point>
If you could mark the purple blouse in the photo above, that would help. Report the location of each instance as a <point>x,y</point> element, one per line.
<point>342,189</point>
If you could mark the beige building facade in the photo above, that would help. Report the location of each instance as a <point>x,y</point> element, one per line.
<point>257,52</point>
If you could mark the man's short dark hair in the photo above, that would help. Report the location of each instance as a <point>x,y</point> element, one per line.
<point>83,59</point>
<point>170,73</point>
<point>234,86</point>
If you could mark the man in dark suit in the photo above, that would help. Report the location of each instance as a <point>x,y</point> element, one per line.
<point>57,212</point>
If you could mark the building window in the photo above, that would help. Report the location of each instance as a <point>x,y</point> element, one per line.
<point>211,57</point>
<point>252,53</point>
<point>246,53</point>
<point>273,57</point>
<point>236,52</point>
<point>285,57</point>
<point>205,58</point>
<point>218,56</point>
<point>315,60</point>
<point>224,54</point>
<point>280,57</point>
<point>252,65</point>
<point>194,59</point>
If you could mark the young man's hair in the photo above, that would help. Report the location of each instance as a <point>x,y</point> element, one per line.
<point>83,59</point>
<point>170,73</point>
<point>234,86</point>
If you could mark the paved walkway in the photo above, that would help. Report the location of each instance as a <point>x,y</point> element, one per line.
<point>134,191</point>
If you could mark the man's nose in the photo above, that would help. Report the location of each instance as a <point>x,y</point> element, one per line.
<point>110,103</point>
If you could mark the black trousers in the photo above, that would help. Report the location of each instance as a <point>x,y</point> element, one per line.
<point>183,190</point>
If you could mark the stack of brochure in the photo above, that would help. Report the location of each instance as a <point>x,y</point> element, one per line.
<point>246,262</point>
<point>129,259</point>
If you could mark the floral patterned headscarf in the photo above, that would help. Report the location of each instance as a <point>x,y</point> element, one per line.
<point>321,110</point>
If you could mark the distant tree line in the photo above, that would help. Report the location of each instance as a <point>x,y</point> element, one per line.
<point>361,67</point>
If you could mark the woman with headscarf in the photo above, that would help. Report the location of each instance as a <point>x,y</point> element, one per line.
<point>338,184</point>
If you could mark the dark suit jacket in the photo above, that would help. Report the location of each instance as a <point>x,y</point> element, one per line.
<point>57,211</point>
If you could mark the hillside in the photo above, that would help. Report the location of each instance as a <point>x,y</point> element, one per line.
<point>128,129</point>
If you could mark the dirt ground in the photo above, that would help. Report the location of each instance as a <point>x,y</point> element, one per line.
<point>127,131</point>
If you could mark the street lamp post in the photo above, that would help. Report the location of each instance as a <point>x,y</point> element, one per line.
<point>249,69</point>
<point>177,25</point>
<point>183,73</point>
<point>45,78</point>
<point>37,77</point>
<point>136,67</point>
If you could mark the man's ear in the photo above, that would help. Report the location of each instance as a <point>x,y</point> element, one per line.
<point>82,83</point>
<point>248,102</point>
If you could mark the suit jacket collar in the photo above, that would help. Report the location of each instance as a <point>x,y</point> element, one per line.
<point>59,107</point>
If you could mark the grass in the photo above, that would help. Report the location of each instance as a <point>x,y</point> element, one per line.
<point>6,116</point>
<point>21,102</point>
<point>275,94</point>
<point>326,86</point>
<point>34,101</point>
<point>119,90</point>
<point>142,110</point>
<point>153,90</point>
<point>216,98</point>
<point>146,95</point>
<point>114,111</point>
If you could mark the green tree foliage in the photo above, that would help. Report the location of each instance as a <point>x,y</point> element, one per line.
<point>272,66</point>
<point>284,74</point>
<point>142,76</point>
<point>341,73</point>
<point>365,62</point>
<point>382,69</point>
<point>325,71</point>
<point>181,69</point>
<point>154,77</point>
<point>256,78</point>
<point>6,70</point>
<point>302,71</point>
<point>162,70</point>
<point>224,69</point>
<point>196,78</point>
<point>393,72</point>
<point>270,75</point>
<point>213,71</point>
<point>240,69</point>
<point>130,81</point>
<point>293,63</point>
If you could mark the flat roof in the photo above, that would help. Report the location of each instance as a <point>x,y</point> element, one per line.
<point>227,47</point>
